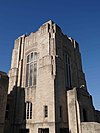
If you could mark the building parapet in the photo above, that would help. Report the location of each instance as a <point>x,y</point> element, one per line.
<point>90,127</point>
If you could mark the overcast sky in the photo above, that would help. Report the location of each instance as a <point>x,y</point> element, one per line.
<point>79,19</point>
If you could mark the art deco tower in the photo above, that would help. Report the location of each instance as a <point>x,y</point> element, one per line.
<point>45,65</point>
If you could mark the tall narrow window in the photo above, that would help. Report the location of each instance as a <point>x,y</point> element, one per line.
<point>27,74</point>
<point>67,71</point>
<point>28,58</point>
<point>31,73</point>
<point>7,112</point>
<point>35,55</point>
<point>31,69</point>
<point>31,56</point>
<point>45,111</point>
<point>35,73</point>
<point>85,115</point>
<point>60,111</point>
<point>28,110</point>
<point>24,111</point>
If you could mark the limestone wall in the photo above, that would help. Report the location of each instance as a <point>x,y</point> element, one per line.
<point>3,98</point>
<point>73,111</point>
<point>90,127</point>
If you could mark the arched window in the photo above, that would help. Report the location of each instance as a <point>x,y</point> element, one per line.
<point>28,110</point>
<point>31,69</point>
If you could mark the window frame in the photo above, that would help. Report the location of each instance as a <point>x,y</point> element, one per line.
<point>45,111</point>
<point>31,60</point>
<point>68,71</point>
<point>28,110</point>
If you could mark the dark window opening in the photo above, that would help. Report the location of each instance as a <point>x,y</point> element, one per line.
<point>7,112</point>
<point>85,115</point>
<point>24,111</point>
<point>28,110</point>
<point>60,111</point>
<point>24,131</point>
<point>67,71</point>
<point>35,73</point>
<point>31,73</point>
<point>43,130</point>
<point>27,75</point>
<point>64,130</point>
<point>45,111</point>
<point>35,55</point>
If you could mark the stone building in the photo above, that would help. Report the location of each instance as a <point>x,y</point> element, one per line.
<point>3,99</point>
<point>47,88</point>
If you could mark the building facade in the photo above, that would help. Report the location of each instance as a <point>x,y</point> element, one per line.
<point>3,99</point>
<point>47,89</point>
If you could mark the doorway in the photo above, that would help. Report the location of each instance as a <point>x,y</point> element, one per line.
<point>24,131</point>
<point>43,130</point>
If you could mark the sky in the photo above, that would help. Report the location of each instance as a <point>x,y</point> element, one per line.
<point>79,19</point>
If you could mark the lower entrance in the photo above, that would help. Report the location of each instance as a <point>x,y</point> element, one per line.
<point>43,130</point>
<point>24,131</point>
<point>64,130</point>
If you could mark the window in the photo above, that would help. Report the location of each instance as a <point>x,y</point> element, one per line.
<point>31,72</point>
<point>31,69</point>
<point>35,56</point>
<point>85,115</point>
<point>60,111</point>
<point>7,111</point>
<point>24,116</point>
<point>27,70</point>
<point>67,71</point>
<point>35,71</point>
<point>28,110</point>
<point>45,111</point>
